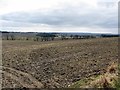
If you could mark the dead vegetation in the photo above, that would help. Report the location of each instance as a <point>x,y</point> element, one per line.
<point>106,80</point>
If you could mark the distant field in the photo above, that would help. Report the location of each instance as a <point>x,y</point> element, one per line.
<point>55,63</point>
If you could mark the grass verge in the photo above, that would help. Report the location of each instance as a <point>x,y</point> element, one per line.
<point>108,80</point>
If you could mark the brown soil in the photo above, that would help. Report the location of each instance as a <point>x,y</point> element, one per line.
<point>55,64</point>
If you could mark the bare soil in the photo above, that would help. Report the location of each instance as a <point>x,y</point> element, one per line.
<point>55,64</point>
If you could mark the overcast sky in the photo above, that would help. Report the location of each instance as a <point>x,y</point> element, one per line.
<point>95,16</point>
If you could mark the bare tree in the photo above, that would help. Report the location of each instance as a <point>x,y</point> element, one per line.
<point>12,37</point>
<point>37,38</point>
<point>7,37</point>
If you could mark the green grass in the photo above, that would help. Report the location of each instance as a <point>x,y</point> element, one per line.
<point>78,83</point>
<point>117,82</point>
<point>84,82</point>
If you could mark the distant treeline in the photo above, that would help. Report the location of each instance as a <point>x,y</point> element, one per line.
<point>108,35</point>
<point>50,36</point>
<point>47,36</point>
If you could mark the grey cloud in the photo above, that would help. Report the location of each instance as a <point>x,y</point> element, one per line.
<point>67,16</point>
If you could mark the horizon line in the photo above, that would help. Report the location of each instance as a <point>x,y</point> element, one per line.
<point>59,32</point>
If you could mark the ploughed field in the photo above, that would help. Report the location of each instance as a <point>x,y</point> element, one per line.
<point>55,63</point>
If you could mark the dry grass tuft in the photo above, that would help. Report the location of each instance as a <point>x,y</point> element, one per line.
<point>112,68</point>
<point>107,80</point>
